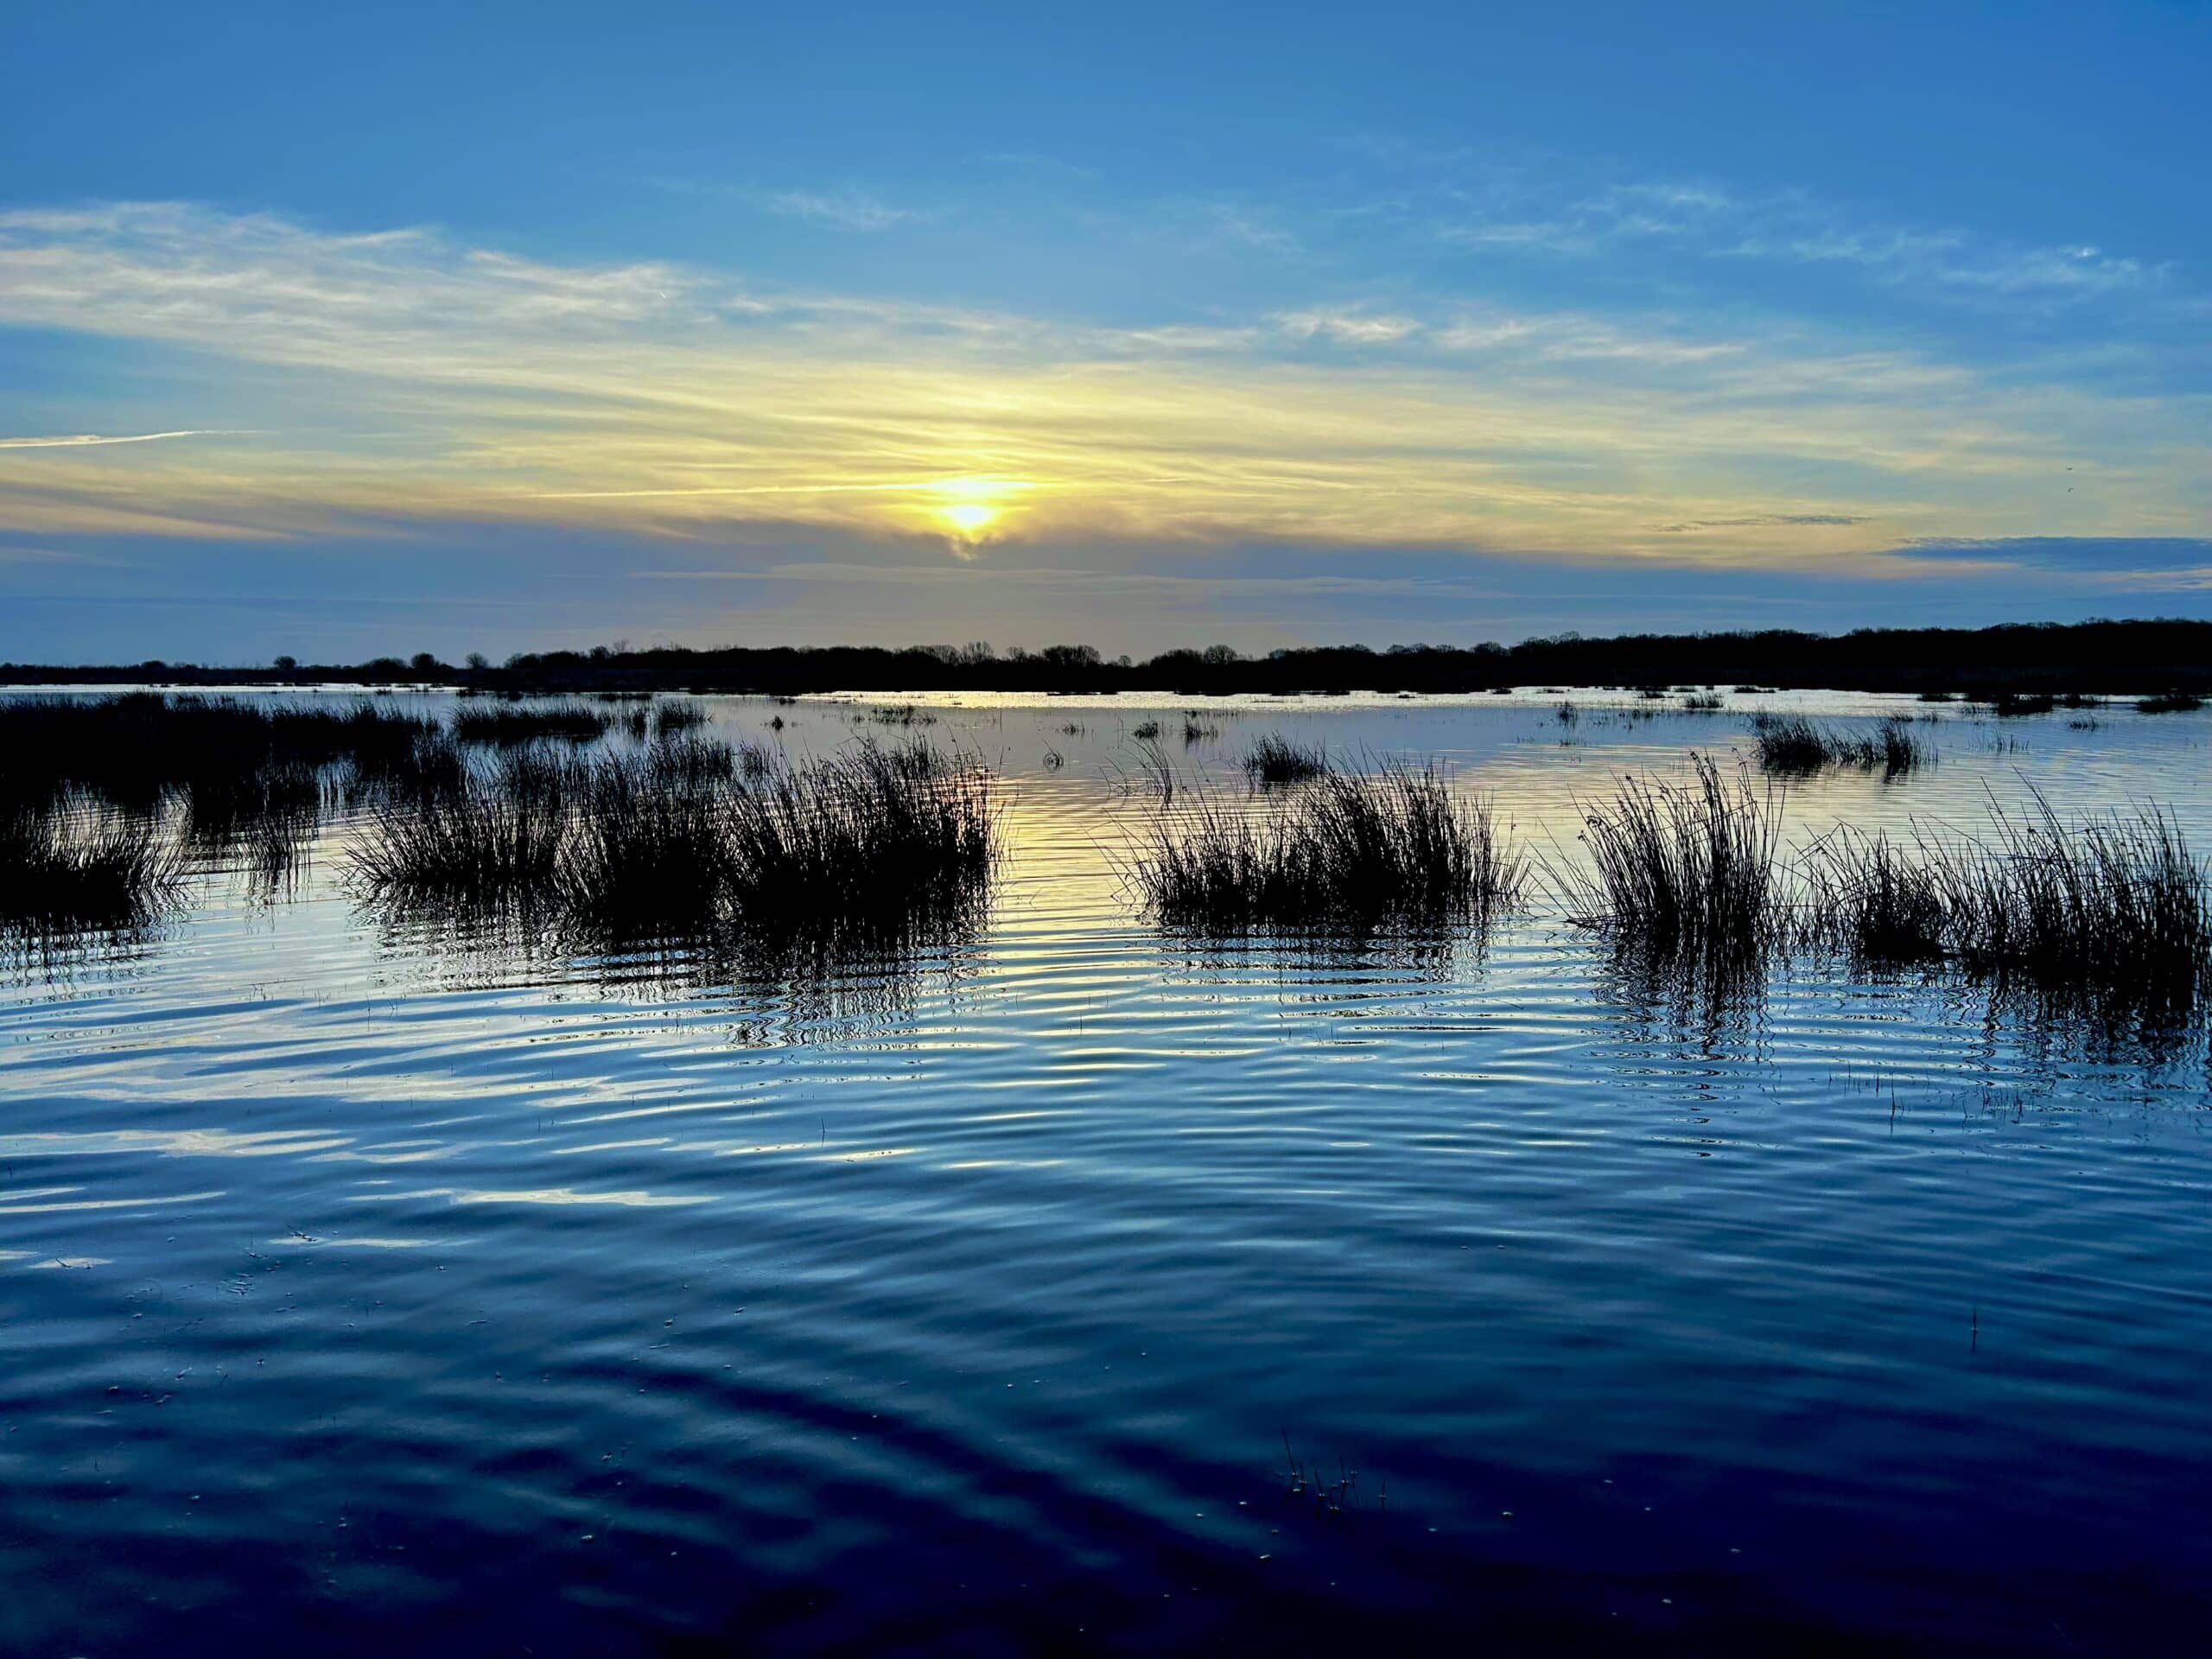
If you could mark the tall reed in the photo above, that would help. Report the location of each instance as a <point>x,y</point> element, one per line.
<point>1392,846</point>
<point>1681,871</point>
<point>1275,760</point>
<point>687,835</point>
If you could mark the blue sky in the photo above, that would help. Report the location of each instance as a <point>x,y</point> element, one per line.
<point>490,328</point>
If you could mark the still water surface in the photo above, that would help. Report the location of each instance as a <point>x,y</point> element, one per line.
<point>359,1290</point>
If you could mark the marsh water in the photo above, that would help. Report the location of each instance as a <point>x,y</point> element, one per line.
<point>1072,1284</point>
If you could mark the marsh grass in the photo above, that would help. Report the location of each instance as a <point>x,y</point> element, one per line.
<point>2105,916</point>
<point>1275,760</point>
<point>870,840</point>
<point>2170,702</point>
<point>1793,745</point>
<point>1388,847</point>
<point>641,847</point>
<point>689,837</point>
<point>262,823</point>
<point>1680,872</point>
<point>135,748</point>
<point>75,864</point>
<point>673,716</point>
<point>508,725</point>
<point>494,842</point>
<point>249,782</point>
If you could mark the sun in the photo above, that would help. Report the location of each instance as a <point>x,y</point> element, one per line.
<point>973,508</point>
<point>968,520</point>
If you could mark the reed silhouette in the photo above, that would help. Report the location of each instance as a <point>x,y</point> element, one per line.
<point>1389,846</point>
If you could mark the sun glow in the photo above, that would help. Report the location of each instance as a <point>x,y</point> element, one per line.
<point>968,509</point>
<point>968,520</point>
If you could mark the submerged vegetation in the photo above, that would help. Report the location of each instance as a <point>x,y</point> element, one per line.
<point>508,724</point>
<point>2170,702</point>
<point>1389,847</point>
<point>1275,760</point>
<point>1792,744</point>
<point>133,749</point>
<point>689,837</point>
<point>109,805</point>
<point>2108,917</point>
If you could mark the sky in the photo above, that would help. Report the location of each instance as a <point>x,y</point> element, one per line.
<point>341,331</point>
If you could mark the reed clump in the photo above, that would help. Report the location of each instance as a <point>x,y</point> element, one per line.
<point>1682,872</point>
<point>688,836</point>
<point>1275,759</point>
<point>1392,846</point>
<point>494,842</point>
<point>652,718</point>
<point>2107,915</point>
<point>74,865</point>
<point>866,840</point>
<point>508,725</point>
<point>135,748</point>
<point>1793,745</point>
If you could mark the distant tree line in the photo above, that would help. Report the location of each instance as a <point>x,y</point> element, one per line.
<point>2097,656</point>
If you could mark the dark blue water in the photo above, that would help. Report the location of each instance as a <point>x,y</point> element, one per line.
<point>1070,1287</point>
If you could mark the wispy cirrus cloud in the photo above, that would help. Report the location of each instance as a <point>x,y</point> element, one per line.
<point>844,210</point>
<point>449,383</point>
<point>1708,219</point>
<point>1352,326</point>
<point>96,440</point>
<point>1763,521</point>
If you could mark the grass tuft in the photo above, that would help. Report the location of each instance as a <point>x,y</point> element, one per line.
<point>1682,873</point>
<point>2170,702</point>
<point>1276,760</point>
<point>1794,746</point>
<point>2106,916</point>
<point>1390,847</point>
<point>689,837</point>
